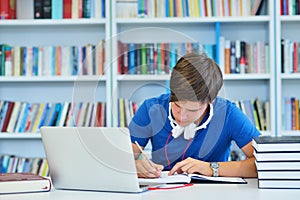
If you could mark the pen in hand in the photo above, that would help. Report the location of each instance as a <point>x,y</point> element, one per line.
<point>144,154</point>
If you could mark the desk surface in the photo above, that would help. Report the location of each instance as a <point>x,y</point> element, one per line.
<point>198,191</point>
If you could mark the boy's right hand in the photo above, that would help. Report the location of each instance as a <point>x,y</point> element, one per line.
<point>147,170</point>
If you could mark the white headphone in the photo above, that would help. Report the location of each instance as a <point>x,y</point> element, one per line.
<point>190,130</point>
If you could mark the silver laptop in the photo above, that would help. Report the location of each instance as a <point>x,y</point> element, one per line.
<point>91,158</point>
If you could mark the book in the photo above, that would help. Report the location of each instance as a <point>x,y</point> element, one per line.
<point>287,184</point>
<point>272,144</point>
<point>277,156</point>
<point>188,178</point>
<point>256,7</point>
<point>278,174</point>
<point>23,182</point>
<point>282,165</point>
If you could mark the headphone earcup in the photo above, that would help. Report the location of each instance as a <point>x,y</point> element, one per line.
<point>177,131</point>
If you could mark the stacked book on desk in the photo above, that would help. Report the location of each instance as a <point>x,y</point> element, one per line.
<point>277,161</point>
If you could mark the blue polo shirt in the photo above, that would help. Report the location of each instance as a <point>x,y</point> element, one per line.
<point>213,143</point>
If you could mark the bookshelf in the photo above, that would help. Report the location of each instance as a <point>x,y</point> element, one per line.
<point>112,85</point>
<point>287,78</point>
<point>51,88</point>
<point>202,30</point>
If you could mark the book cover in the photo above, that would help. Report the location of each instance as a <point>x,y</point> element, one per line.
<point>23,183</point>
<point>276,144</point>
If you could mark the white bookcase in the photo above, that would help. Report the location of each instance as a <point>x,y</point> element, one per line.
<point>69,32</point>
<point>287,84</point>
<point>201,30</point>
<point>134,87</point>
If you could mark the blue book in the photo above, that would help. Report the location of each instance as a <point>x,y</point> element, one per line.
<point>24,119</point>
<point>24,61</point>
<point>4,163</point>
<point>86,8</point>
<point>57,9</point>
<point>74,56</point>
<point>55,114</point>
<point>132,58</point>
<point>35,60</point>
<point>3,113</point>
<point>217,57</point>
<point>103,8</point>
<point>44,115</point>
<point>173,56</point>
<point>167,9</point>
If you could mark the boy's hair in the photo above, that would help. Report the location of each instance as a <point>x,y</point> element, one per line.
<point>195,78</point>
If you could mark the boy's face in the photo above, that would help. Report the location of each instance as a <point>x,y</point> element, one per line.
<point>187,112</point>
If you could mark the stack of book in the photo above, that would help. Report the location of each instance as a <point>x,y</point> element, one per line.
<point>277,161</point>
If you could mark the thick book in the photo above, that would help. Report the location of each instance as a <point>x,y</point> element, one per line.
<point>279,184</point>
<point>278,165</point>
<point>276,144</point>
<point>277,156</point>
<point>23,183</point>
<point>188,178</point>
<point>279,174</point>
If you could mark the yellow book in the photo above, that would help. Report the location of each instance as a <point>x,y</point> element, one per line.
<point>38,117</point>
<point>255,116</point>
<point>171,8</point>
<point>196,8</point>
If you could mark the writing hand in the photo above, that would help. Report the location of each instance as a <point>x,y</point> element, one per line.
<point>190,166</point>
<point>148,169</point>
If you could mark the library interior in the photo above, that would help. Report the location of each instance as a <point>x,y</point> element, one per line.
<point>94,63</point>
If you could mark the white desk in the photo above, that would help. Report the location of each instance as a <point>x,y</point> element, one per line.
<point>198,192</point>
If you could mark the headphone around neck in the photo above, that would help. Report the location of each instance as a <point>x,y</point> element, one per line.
<point>190,130</point>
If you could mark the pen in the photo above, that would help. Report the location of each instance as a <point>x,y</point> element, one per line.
<point>144,154</point>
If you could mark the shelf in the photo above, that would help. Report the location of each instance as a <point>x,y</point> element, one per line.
<point>129,77</point>
<point>247,76</point>
<point>186,20</point>
<point>52,78</point>
<point>290,76</point>
<point>20,136</point>
<point>294,133</point>
<point>51,22</point>
<point>143,77</point>
<point>287,18</point>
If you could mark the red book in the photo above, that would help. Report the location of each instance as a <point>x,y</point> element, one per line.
<point>67,9</point>
<point>4,9</point>
<point>7,116</point>
<point>12,9</point>
<point>23,182</point>
<point>296,59</point>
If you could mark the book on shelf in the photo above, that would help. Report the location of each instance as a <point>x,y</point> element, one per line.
<point>18,117</point>
<point>88,59</point>
<point>8,9</point>
<point>187,178</point>
<point>166,8</point>
<point>277,144</point>
<point>16,164</point>
<point>23,183</point>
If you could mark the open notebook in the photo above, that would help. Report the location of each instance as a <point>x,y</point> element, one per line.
<point>91,158</point>
<point>187,178</point>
